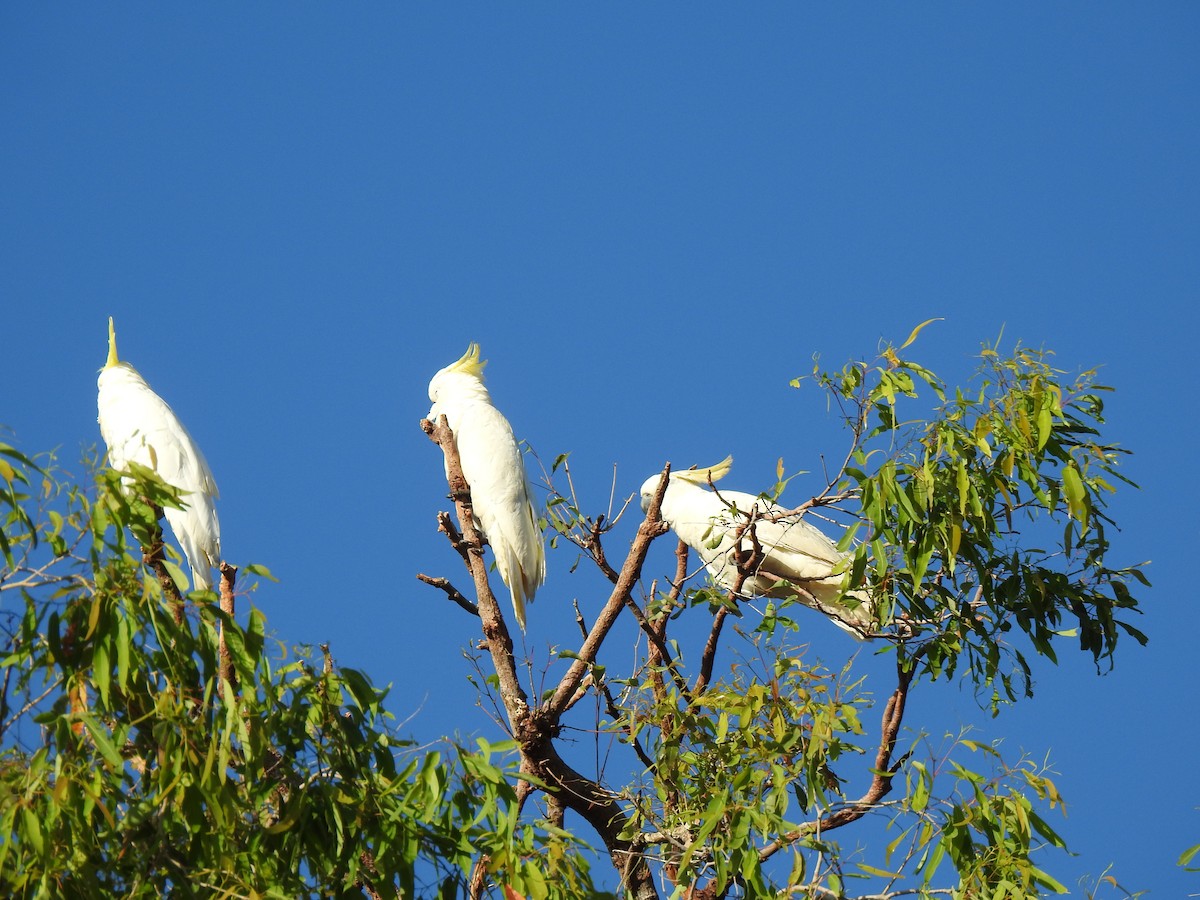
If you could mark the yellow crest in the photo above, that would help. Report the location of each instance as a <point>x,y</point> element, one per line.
<point>701,476</point>
<point>112,345</point>
<point>470,363</point>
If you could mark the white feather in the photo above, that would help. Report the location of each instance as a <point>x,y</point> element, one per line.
<point>793,549</point>
<point>139,426</point>
<point>494,470</point>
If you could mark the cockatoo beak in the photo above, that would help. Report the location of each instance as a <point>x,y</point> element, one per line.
<point>702,476</point>
<point>470,364</point>
<point>112,345</point>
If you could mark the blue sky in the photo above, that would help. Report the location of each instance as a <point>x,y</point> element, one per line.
<point>652,219</point>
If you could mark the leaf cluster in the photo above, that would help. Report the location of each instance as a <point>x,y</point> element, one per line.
<point>978,526</point>
<point>987,519</point>
<point>130,767</point>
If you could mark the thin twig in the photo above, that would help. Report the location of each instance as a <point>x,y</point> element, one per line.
<point>610,704</point>
<point>451,591</point>
<point>652,527</point>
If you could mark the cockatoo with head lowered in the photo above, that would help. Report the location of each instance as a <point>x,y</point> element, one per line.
<point>797,558</point>
<point>138,426</point>
<point>492,466</point>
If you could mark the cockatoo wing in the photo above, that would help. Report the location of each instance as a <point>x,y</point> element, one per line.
<point>793,549</point>
<point>492,464</point>
<point>138,426</point>
<point>803,556</point>
<point>494,469</point>
<point>792,536</point>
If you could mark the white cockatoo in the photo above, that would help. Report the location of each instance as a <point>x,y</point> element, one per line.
<point>492,466</point>
<point>138,426</point>
<point>797,558</point>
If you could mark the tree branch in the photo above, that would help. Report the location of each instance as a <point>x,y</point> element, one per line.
<point>451,591</point>
<point>710,651</point>
<point>610,703</point>
<point>746,566</point>
<point>656,661</point>
<point>881,783</point>
<point>597,806</point>
<point>534,729</point>
<point>499,642</point>
<point>225,661</point>
<point>652,527</point>
<point>154,556</point>
<point>597,548</point>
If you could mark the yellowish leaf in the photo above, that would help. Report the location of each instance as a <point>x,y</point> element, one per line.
<point>912,337</point>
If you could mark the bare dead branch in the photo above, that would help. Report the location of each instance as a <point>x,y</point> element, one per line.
<point>597,549</point>
<point>747,564</point>
<point>451,592</point>
<point>478,883</point>
<point>596,805</point>
<point>534,729</point>
<point>659,623</point>
<point>446,527</point>
<point>708,658</point>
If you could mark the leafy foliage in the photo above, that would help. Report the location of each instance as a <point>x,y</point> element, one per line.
<point>987,520</point>
<point>130,768</point>
<point>977,522</point>
<point>152,744</point>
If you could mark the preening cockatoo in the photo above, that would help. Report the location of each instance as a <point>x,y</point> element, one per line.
<point>492,465</point>
<point>808,562</point>
<point>138,426</point>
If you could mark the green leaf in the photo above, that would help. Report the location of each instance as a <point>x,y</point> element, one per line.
<point>912,337</point>
<point>123,642</point>
<point>259,570</point>
<point>964,485</point>
<point>1045,425</point>
<point>32,832</point>
<point>920,791</point>
<point>101,739</point>
<point>102,670</point>
<point>1187,856</point>
<point>1075,494</point>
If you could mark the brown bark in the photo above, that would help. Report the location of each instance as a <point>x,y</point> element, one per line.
<point>881,783</point>
<point>534,728</point>
<point>225,665</point>
<point>154,556</point>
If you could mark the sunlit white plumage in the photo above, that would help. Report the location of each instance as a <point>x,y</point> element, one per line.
<point>492,466</point>
<point>793,549</point>
<point>138,426</point>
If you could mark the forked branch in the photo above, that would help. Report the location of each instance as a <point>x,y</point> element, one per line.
<point>881,782</point>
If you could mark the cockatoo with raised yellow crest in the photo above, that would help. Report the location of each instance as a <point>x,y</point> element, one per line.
<point>797,558</point>
<point>138,426</point>
<point>495,472</point>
